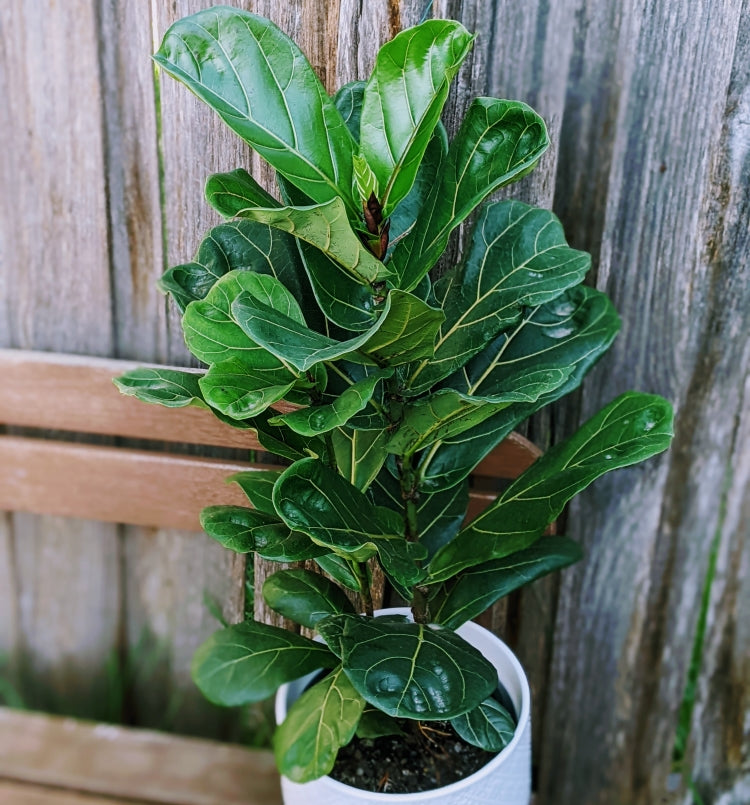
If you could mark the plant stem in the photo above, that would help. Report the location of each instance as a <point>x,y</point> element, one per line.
<point>409,483</point>
<point>360,571</point>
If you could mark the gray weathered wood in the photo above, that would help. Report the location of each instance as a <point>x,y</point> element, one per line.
<point>638,184</point>
<point>719,754</point>
<point>56,296</point>
<point>167,572</point>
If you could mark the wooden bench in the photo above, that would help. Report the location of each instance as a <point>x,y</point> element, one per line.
<point>48,760</point>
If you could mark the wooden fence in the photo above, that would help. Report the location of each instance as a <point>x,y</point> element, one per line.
<point>648,103</point>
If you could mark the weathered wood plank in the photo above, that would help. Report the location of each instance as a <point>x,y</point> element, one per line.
<point>24,794</point>
<point>136,765</point>
<point>76,393</point>
<point>56,296</point>
<point>147,328</point>
<point>112,485</point>
<point>627,615</point>
<point>718,757</point>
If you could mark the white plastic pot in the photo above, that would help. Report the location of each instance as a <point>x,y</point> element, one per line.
<point>505,780</point>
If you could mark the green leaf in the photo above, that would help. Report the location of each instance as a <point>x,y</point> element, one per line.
<point>235,527</point>
<point>403,100</point>
<point>630,429</point>
<point>447,412</point>
<point>318,724</point>
<point>240,391</point>
<point>230,193</point>
<point>571,332</point>
<point>211,333</point>
<point>248,662</point>
<point>247,246</point>
<point>498,143</point>
<point>346,301</point>
<point>316,500</point>
<point>360,454</point>
<point>489,726</point>
<point>478,588</point>
<point>518,258</point>
<point>245,530</point>
<point>406,213</point>
<point>374,724</point>
<point>326,227</point>
<point>409,670</point>
<point>304,597</point>
<point>283,441</point>
<point>317,419</point>
<point>258,487</point>
<point>439,514</point>
<point>168,387</point>
<point>338,569</point>
<point>348,101</point>
<point>264,89</point>
<point>364,179</point>
<point>406,329</point>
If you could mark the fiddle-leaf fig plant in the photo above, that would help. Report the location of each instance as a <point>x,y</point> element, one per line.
<point>399,386</point>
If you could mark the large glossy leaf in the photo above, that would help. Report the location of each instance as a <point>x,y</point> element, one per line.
<point>211,333</point>
<point>283,441</point>
<point>335,411</point>
<point>339,569</point>
<point>410,670</point>
<point>258,487</point>
<point>230,193</point>
<point>375,724</point>
<point>316,500</point>
<point>345,300</point>
<point>262,86</point>
<point>630,429</point>
<point>447,412</point>
<point>304,597</point>
<point>403,100</point>
<point>348,100</point>
<point>171,388</point>
<point>245,530</point>
<point>318,724</point>
<point>478,588</point>
<point>570,333</point>
<point>489,726</point>
<point>406,328</point>
<point>326,227</point>
<point>518,258</point>
<point>240,391</point>
<point>247,246</point>
<point>404,217</point>
<point>439,514</point>
<point>498,142</point>
<point>248,662</point>
<point>360,454</point>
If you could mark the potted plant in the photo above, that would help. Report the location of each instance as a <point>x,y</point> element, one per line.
<point>400,386</point>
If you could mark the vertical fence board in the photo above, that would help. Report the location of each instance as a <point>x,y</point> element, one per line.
<point>719,758</point>
<point>627,615</point>
<point>56,290</point>
<point>169,574</point>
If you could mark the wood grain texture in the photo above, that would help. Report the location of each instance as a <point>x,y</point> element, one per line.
<point>55,291</point>
<point>25,794</point>
<point>137,765</point>
<point>191,145</point>
<point>719,758</point>
<point>626,617</point>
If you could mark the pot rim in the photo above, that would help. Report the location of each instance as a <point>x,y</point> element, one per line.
<point>524,718</point>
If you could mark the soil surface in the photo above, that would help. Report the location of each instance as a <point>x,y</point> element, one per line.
<point>427,755</point>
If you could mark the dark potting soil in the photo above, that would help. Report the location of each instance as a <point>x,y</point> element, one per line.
<point>427,755</point>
